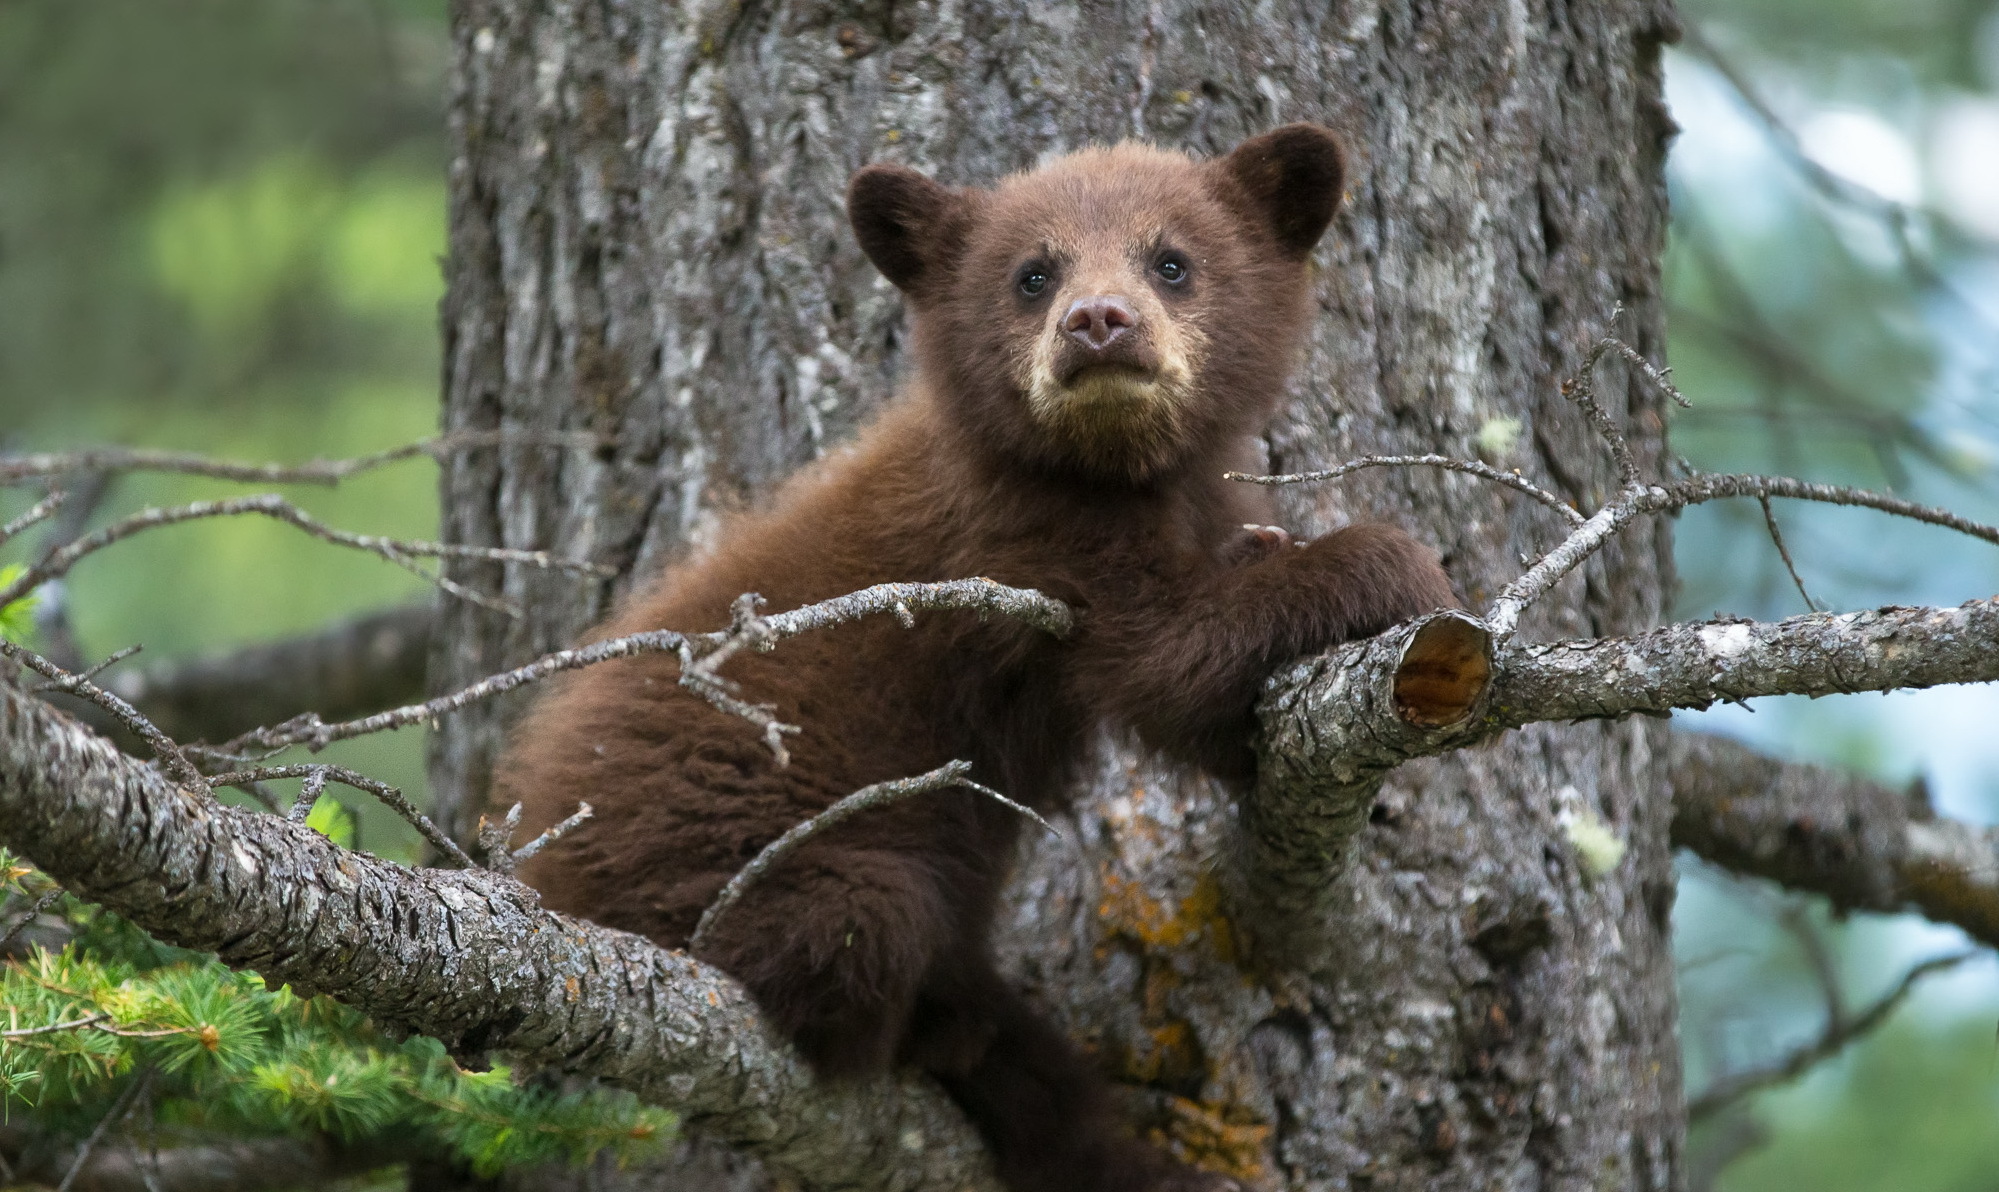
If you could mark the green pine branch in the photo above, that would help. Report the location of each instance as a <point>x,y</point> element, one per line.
<point>226,1056</point>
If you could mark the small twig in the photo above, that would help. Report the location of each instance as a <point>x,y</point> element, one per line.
<point>84,676</point>
<point>979,595</point>
<point>86,494</point>
<point>494,839</point>
<point>583,812</point>
<point>1834,1038</point>
<point>1698,490</point>
<point>1581,389</point>
<point>309,790</point>
<point>47,900</point>
<point>164,748</point>
<point>40,512</point>
<point>386,794</point>
<point>1512,480</point>
<point>1660,377</point>
<point>398,551</point>
<point>881,794</point>
<point>1796,918</point>
<point>1784,552</point>
<point>119,1108</point>
<point>328,472</point>
<point>53,1027</point>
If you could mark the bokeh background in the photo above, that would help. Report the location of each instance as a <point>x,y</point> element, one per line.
<point>219,229</point>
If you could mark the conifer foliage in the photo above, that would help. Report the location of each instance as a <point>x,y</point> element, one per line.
<point>179,1048</point>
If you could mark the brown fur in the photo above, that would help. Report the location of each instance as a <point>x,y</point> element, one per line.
<point>1022,454</point>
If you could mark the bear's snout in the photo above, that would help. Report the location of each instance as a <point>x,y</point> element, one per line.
<point>1103,334</point>
<point>1098,321</point>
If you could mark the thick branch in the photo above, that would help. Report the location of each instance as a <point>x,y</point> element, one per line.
<point>1334,726</point>
<point>467,956</point>
<point>1860,844</point>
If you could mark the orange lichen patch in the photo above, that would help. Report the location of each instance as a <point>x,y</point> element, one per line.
<point>1128,910</point>
<point>1216,1137</point>
<point>1167,1055</point>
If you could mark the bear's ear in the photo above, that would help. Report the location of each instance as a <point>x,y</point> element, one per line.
<point>1292,178</point>
<point>909,226</point>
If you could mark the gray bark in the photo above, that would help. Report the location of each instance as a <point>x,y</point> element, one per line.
<point>647,243</point>
<point>465,956</point>
<point>1864,846</point>
<point>470,958</point>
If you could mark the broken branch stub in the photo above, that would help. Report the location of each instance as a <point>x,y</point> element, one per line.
<point>1407,693</point>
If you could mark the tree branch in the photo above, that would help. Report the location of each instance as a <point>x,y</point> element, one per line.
<point>466,956</point>
<point>255,1165</point>
<point>1862,845</point>
<point>1334,726</point>
<point>352,668</point>
<point>1840,1032</point>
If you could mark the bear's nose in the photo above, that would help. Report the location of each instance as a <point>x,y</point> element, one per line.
<point>1097,322</point>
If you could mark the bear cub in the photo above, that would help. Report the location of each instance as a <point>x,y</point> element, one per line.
<point>1095,343</point>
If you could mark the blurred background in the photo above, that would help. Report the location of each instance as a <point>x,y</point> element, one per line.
<point>219,229</point>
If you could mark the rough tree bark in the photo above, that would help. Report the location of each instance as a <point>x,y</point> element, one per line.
<point>647,243</point>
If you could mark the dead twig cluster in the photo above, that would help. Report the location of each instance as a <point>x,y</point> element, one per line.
<point>701,654</point>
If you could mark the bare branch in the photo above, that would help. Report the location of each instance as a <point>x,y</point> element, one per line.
<point>1839,1032</point>
<point>1784,553</point>
<point>466,956</point>
<point>69,683</point>
<point>881,794</point>
<point>317,776</point>
<point>495,839</point>
<point>47,900</point>
<point>29,1032</point>
<point>15,469</point>
<point>164,748</point>
<point>976,595</point>
<point>1636,498</point>
<point>351,668</point>
<point>1698,490</point>
<point>309,791</point>
<point>1581,389</point>
<point>112,1117</point>
<point>1860,844</point>
<point>583,812</point>
<point>213,1165</point>
<point>398,551</point>
<point>1471,467</point>
<point>1335,725</point>
<point>40,512</point>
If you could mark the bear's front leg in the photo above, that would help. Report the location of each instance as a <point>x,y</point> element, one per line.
<point>833,944</point>
<point>1183,665</point>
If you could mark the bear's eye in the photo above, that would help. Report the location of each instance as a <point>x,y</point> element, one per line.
<point>1172,269</point>
<point>1033,279</point>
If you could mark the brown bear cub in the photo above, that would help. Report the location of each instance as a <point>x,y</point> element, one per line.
<point>1096,343</point>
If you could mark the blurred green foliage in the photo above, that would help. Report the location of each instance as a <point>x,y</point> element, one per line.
<point>1833,290</point>
<point>219,230</point>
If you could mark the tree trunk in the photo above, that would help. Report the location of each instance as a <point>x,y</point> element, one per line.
<point>648,243</point>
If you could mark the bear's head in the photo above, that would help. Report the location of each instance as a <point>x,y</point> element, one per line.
<point>1116,311</point>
